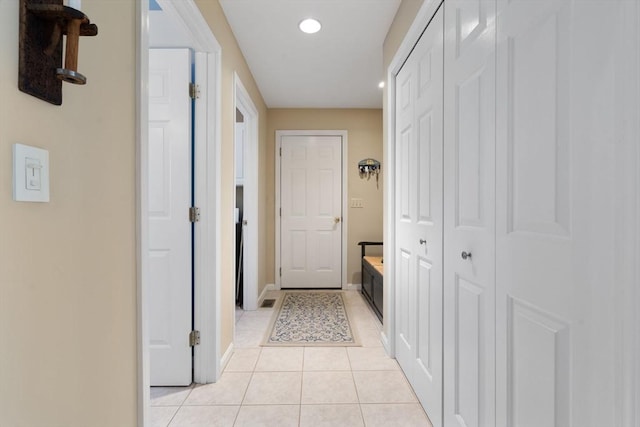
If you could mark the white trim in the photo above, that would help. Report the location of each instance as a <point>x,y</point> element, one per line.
<point>243,102</point>
<point>427,10</point>
<point>215,201</point>
<point>142,203</point>
<point>207,197</point>
<point>188,16</point>
<point>352,287</point>
<point>422,19</point>
<point>226,356</point>
<point>635,285</point>
<point>345,187</point>
<point>208,141</point>
<point>627,245</point>
<point>385,342</point>
<point>636,279</point>
<point>263,294</point>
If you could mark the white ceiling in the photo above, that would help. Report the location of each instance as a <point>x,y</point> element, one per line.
<point>339,67</point>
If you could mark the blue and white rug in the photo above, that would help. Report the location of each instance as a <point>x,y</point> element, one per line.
<point>311,318</point>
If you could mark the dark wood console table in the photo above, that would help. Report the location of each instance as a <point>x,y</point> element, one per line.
<point>372,278</point>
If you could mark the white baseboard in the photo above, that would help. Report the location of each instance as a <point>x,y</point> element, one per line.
<point>268,287</point>
<point>385,343</point>
<point>226,357</point>
<point>351,287</point>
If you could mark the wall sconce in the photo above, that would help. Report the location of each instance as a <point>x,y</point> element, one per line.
<point>42,25</point>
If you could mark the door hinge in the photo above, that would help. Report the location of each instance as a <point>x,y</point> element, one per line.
<point>194,214</point>
<point>280,271</point>
<point>194,91</point>
<point>194,338</point>
<point>280,151</point>
<point>280,211</point>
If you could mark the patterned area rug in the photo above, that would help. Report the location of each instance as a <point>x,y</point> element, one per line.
<point>311,319</point>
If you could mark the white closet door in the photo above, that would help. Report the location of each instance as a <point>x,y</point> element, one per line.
<point>418,281</point>
<point>557,77</point>
<point>170,296</point>
<point>534,229</point>
<point>469,214</point>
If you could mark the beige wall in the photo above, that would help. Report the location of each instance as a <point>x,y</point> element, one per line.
<point>364,129</point>
<point>405,15</point>
<point>67,268</point>
<point>233,61</point>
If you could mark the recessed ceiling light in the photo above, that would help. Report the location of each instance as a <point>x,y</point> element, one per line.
<point>381,85</point>
<point>309,26</point>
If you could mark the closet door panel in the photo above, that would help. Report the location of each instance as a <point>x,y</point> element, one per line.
<point>534,228</point>
<point>558,66</point>
<point>469,220</point>
<point>419,221</point>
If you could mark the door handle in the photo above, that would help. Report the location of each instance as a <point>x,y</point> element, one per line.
<point>423,242</point>
<point>336,219</point>
<point>465,255</point>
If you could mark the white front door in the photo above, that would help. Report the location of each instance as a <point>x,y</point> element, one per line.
<point>310,211</point>
<point>469,214</point>
<point>419,181</point>
<point>170,271</point>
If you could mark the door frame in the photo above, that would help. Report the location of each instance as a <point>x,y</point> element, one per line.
<point>242,101</point>
<point>422,19</point>
<point>344,135</point>
<point>207,135</point>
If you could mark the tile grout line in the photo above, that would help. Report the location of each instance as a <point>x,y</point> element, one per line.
<point>304,354</point>
<point>355,386</point>
<point>191,387</point>
<point>244,395</point>
<point>174,415</point>
<point>367,320</point>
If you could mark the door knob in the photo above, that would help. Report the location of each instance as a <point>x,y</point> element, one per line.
<point>423,242</point>
<point>465,255</point>
<point>336,220</point>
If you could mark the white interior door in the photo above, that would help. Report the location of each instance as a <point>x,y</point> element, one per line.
<point>311,211</point>
<point>419,210</point>
<point>469,214</point>
<point>170,253</point>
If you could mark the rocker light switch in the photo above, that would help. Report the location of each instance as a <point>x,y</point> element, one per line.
<point>30,174</point>
<point>33,170</point>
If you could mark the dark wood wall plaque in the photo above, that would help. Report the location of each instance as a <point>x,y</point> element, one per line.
<point>40,54</point>
<point>43,23</point>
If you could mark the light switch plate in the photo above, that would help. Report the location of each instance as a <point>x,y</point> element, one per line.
<point>357,203</point>
<point>30,174</point>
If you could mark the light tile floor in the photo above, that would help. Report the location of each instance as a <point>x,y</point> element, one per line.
<point>297,386</point>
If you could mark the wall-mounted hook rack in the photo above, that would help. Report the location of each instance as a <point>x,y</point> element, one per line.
<point>43,23</point>
<point>368,168</point>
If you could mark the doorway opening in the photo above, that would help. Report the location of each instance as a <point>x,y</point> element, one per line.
<point>186,19</point>
<point>246,194</point>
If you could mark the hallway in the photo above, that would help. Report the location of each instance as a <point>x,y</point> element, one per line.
<point>296,386</point>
